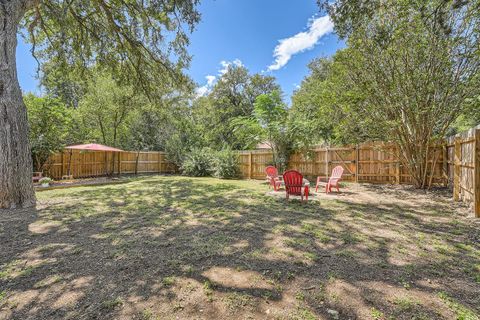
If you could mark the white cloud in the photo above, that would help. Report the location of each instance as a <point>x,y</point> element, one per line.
<point>210,80</point>
<point>205,89</point>
<point>224,69</point>
<point>300,42</point>
<point>201,91</point>
<point>226,64</point>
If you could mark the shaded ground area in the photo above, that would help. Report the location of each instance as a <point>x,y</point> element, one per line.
<point>182,248</point>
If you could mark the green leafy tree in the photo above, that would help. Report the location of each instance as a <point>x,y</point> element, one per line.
<point>270,123</point>
<point>351,15</point>
<point>143,43</point>
<point>311,111</point>
<point>411,67</point>
<point>164,126</point>
<point>105,107</point>
<point>51,127</point>
<point>232,96</point>
<point>64,83</point>
<point>470,117</point>
<point>325,106</point>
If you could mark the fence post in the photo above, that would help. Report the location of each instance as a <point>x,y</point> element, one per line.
<point>119,164</point>
<point>357,166</point>
<point>397,166</point>
<point>250,165</point>
<point>445,164</point>
<point>159,162</point>
<point>476,179</point>
<point>327,166</point>
<point>61,171</point>
<point>457,170</point>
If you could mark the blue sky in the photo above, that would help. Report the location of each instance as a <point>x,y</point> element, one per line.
<point>278,37</point>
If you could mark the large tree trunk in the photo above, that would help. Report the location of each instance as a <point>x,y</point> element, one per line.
<point>16,189</point>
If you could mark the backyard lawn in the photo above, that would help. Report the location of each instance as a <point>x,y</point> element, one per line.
<point>168,247</point>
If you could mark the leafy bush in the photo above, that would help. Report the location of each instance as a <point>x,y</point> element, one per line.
<point>226,165</point>
<point>198,163</point>
<point>45,180</point>
<point>207,162</point>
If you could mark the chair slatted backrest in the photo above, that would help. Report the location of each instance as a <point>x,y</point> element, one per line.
<point>336,174</point>
<point>271,172</point>
<point>293,182</point>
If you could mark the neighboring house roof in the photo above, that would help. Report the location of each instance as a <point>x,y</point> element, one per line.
<point>263,145</point>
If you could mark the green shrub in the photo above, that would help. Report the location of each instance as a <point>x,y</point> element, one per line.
<point>198,163</point>
<point>206,162</point>
<point>45,180</point>
<point>225,165</point>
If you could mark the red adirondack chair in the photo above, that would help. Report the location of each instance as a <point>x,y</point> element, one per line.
<point>294,184</point>
<point>333,181</point>
<point>273,178</point>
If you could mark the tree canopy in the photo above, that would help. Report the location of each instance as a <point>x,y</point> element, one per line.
<point>142,44</point>
<point>232,96</point>
<point>409,71</point>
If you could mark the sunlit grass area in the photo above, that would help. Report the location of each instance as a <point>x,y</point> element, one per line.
<point>169,247</point>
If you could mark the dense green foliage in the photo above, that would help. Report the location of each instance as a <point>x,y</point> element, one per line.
<point>51,127</point>
<point>198,163</point>
<point>206,162</point>
<point>225,164</point>
<point>143,44</point>
<point>270,123</point>
<point>409,71</point>
<point>105,107</point>
<point>232,97</point>
<point>121,67</point>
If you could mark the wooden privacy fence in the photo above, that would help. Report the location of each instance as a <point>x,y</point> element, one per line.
<point>369,162</point>
<point>463,167</point>
<point>82,164</point>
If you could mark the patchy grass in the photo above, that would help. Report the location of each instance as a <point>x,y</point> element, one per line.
<point>112,303</point>
<point>237,301</point>
<point>168,247</point>
<point>208,290</point>
<point>404,304</point>
<point>377,314</point>
<point>168,281</point>
<point>461,312</point>
<point>3,297</point>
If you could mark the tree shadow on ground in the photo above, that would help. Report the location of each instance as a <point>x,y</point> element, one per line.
<point>182,247</point>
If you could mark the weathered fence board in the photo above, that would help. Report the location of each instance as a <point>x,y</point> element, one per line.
<point>82,164</point>
<point>372,162</point>
<point>463,167</point>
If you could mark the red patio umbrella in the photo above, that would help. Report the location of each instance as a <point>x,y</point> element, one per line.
<point>93,147</point>
<point>89,147</point>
